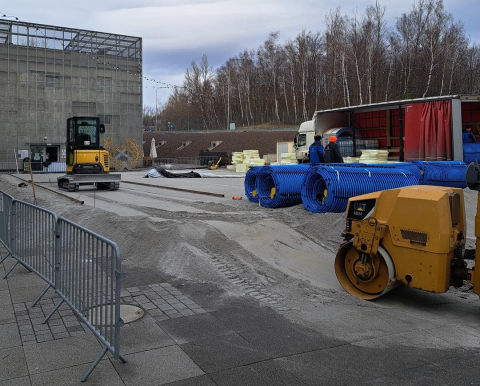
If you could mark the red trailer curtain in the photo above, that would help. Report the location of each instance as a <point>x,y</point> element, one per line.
<point>428,131</point>
<point>435,131</point>
<point>414,137</point>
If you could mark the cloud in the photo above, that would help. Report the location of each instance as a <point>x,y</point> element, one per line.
<point>177,32</point>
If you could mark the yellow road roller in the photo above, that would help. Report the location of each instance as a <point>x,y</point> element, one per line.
<point>413,235</point>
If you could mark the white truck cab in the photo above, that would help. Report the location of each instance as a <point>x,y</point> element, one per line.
<point>304,139</point>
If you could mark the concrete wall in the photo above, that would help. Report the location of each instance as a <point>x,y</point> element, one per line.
<point>42,87</point>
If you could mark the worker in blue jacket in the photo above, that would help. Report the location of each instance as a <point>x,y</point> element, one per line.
<point>315,151</point>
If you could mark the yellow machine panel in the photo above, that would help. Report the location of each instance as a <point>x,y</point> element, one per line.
<point>404,235</point>
<point>86,157</point>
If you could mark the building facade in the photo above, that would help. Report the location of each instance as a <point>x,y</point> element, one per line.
<point>48,74</point>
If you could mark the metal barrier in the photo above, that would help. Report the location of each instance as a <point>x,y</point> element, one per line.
<point>37,167</point>
<point>83,267</point>
<point>5,216</point>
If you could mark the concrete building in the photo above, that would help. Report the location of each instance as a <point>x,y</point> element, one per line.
<point>49,73</point>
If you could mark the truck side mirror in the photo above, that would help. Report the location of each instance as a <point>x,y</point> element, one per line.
<point>102,128</point>
<point>295,140</point>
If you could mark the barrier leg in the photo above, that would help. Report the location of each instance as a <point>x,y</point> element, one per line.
<point>5,258</point>
<point>53,311</point>
<point>94,364</point>
<point>10,270</point>
<point>41,295</point>
<point>123,359</point>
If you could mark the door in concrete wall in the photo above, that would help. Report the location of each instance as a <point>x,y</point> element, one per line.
<point>37,156</point>
<point>52,154</point>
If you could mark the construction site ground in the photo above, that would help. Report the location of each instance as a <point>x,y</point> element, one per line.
<point>234,294</point>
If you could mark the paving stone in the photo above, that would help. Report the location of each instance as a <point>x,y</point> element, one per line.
<point>9,336</point>
<point>57,329</point>
<point>222,352</point>
<point>266,373</point>
<point>57,354</point>
<point>40,327</point>
<point>12,363</point>
<point>154,312</point>
<point>37,321</point>
<point>21,381</point>
<point>28,338</point>
<point>44,338</point>
<point>187,312</point>
<point>191,329</point>
<point>37,333</point>
<point>55,322</point>
<point>148,306</point>
<point>72,324</point>
<point>25,328</point>
<point>157,367</point>
<point>77,333</point>
<point>142,337</point>
<point>73,329</point>
<point>159,318</point>
<point>61,335</point>
<point>103,375</point>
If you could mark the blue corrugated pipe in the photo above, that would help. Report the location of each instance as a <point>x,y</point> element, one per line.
<point>443,173</point>
<point>280,185</point>
<point>250,183</point>
<point>327,189</point>
<point>409,166</point>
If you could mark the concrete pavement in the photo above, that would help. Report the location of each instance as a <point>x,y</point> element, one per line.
<point>194,334</point>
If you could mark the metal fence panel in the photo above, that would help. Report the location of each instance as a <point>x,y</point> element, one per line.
<point>34,231</point>
<point>5,220</point>
<point>89,280</point>
<point>82,266</point>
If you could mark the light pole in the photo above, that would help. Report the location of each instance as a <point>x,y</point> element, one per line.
<point>156,108</point>
<point>228,91</point>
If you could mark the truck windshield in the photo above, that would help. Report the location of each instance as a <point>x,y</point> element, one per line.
<point>302,140</point>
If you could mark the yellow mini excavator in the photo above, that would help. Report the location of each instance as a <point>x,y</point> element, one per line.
<point>413,235</point>
<point>88,163</point>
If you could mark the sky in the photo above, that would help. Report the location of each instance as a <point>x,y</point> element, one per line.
<point>178,32</point>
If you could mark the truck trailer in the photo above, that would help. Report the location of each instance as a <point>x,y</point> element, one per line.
<point>430,129</point>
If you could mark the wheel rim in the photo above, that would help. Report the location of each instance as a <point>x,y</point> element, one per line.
<point>365,277</point>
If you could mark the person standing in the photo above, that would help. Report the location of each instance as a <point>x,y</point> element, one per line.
<point>315,151</point>
<point>332,152</point>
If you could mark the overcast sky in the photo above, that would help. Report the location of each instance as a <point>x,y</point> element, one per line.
<point>177,32</point>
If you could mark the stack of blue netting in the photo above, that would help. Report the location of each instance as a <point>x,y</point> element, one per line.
<point>443,173</point>
<point>251,182</point>
<point>409,166</point>
<point>328,188</point>
<point>280,185</point>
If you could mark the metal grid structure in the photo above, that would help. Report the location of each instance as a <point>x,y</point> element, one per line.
<point>50,73</point>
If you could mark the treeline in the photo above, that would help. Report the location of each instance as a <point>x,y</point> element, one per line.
<point>356,60</point>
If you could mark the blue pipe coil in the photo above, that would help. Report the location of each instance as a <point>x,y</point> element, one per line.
<point>444,173</point>
<point>471,152</point>
<point>287,181</point>
<point>409,166</point>
<point>250,183</point>
<point>327,189</point>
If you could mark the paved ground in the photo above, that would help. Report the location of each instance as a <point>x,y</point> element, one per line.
<point>242,332</point>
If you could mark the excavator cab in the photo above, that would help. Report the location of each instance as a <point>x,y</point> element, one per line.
<point>85,155</point>
<point>87,161</point>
